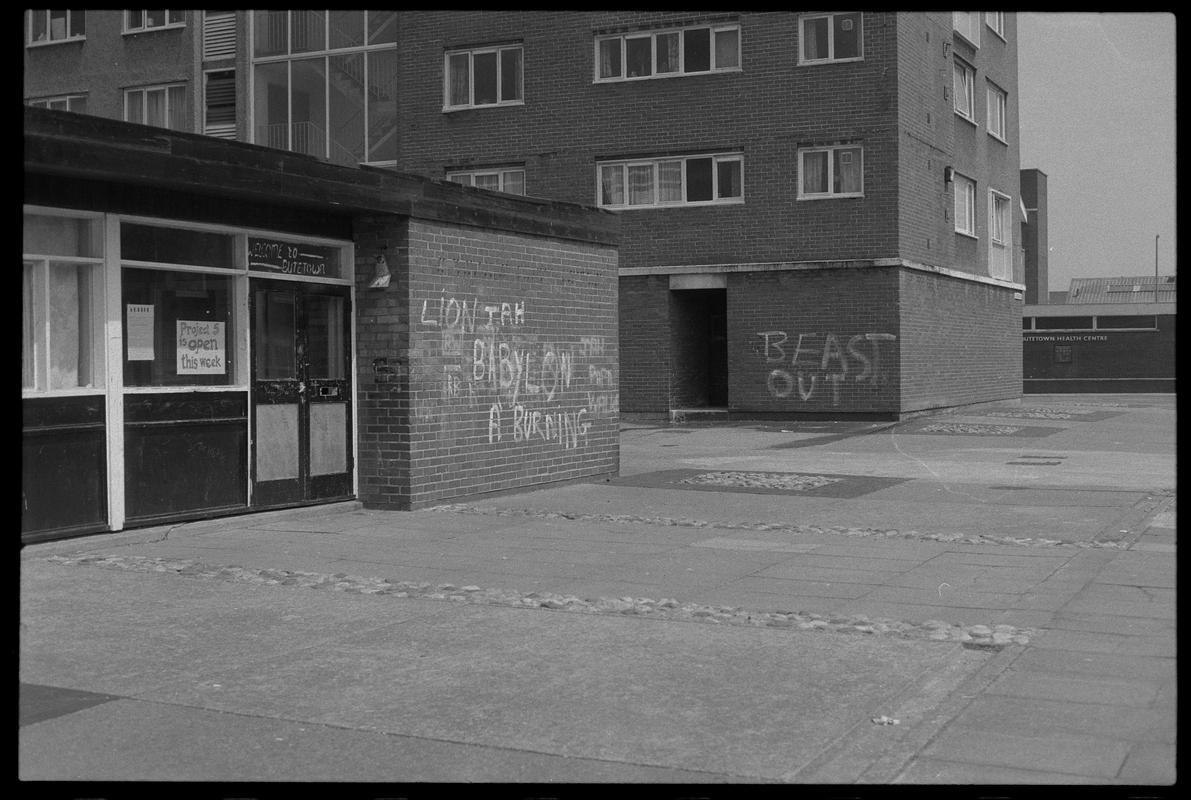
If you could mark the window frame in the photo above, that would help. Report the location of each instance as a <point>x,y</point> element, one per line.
<point>735,157</point>
<point>471,53</point>
<point>170,22</point>
<point>969,73</point>
<point>44,102</point>
<point>970,214</point>
<point>830,194</point>
<point>1002,111</point>
<point>680,71</point>
<point>831,59</point>
<point>162,87</point>
<point>971,31</point>
<point>502,174</point>
<point>999,201</point>
<point>999,27</point>
<point>69,37</point>
<point>41,264</point>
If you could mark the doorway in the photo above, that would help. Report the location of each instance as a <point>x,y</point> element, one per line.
<point>699,331</point>
<point>301,392</point>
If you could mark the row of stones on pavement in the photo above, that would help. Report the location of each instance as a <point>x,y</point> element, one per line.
<point>986,636</point>
<point>774,527</point>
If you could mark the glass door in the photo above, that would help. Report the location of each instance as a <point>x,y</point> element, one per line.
<point>301,395</point>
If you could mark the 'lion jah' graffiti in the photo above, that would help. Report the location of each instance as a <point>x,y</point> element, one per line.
<point>812,362</point>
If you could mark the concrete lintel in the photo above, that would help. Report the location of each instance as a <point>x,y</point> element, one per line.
<point>795,266</point>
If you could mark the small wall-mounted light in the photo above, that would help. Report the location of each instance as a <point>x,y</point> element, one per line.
<point>382,273</point>
<point>948,174</point>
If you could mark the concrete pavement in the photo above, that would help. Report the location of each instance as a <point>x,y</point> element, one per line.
<point>963,598</point>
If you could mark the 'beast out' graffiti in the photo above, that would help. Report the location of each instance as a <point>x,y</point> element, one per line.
<point>815,362</point>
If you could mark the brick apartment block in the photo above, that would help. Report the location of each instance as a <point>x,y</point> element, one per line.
<point>819,210</point>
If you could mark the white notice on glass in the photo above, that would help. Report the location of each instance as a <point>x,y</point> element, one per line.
<point>201,348</point>
<point>139,333</point>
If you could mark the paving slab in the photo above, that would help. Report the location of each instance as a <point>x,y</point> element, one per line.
<point>1078,689</point>
<point>1039,717</point>
<point>1060,752</point>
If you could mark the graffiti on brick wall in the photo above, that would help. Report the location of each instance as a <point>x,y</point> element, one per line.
<point>533,387</point>
<point>815,366</point>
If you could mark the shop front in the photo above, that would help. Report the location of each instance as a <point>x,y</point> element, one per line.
<point>215,328</point>
<point>172,370</point>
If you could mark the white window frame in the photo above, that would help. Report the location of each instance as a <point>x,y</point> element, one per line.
<point>830,194</point>
<point>680,71</point>
<point>995,20</point>
<point>467,177</point>
<point>144,90</point>
<point>1000,235</point>
<point>471,53</point>
<point>41,264</point>
<point>830,59</point>
<point>49,40</point>
<point>967,24</point>
<point>68,99</point>
<point>997,108</point>
<point>170,22</point>
<point>965,214</point>
<point>625,164</point>
<point>968,73</point>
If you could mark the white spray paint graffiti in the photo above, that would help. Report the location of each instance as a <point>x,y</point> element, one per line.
<point>832,362</point>
<point>528,385</point>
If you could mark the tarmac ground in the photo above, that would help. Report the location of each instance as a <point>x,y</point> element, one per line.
<point>975,597</point>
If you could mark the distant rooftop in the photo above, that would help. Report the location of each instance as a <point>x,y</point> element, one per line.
<point>1138,289</point>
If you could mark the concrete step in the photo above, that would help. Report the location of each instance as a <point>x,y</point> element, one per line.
<point>698,416</point>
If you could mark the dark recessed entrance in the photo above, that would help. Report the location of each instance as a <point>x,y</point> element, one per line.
<point>699,344</point>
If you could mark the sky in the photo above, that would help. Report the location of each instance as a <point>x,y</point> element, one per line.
<point>1096,95</point>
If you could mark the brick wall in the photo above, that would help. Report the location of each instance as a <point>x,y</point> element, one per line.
<point>971,354</point>
<point>645,343</point>
<point>814,341</point>
<point>767,111</point>
<point>504,357</point>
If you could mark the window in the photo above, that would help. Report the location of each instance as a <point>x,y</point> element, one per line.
<point>137,21</point>
<point>1127,321</point>
<point>62,304</point>
<point>832,37</point>
<point>964,89</point>
<point>997,102</point>
<point>1000,236</point>
<point>497,180</point>
<point>325,83</point>
<point>56,26</point>
<point>668,53</point>
<point>219,104</point>
<point>830,172</point>
<point>219,34</point>
<point>70,102</point>
<point>483,77</point>
<point>967,24</point>
<point>965,205</point>
<point>160,106</point>
<point>687,180</point>
<point>996,21</point>
<point>1063,323</point>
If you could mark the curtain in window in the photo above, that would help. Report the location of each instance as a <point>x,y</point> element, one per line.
<point>610,58</point>
<point>814,173</point>
<point>612,185</point>
<point>177,109</point>
<point>667,45</point>
<point>670,182</point>
<point>641,184</point>
<point>727,49</point>
<point>847,171</point>
<point>155,107</point>
<point>814,39</point>
<point>514,182</point>
<point>460,87</point>
<point>510,74</point>
<point>489,181</point>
